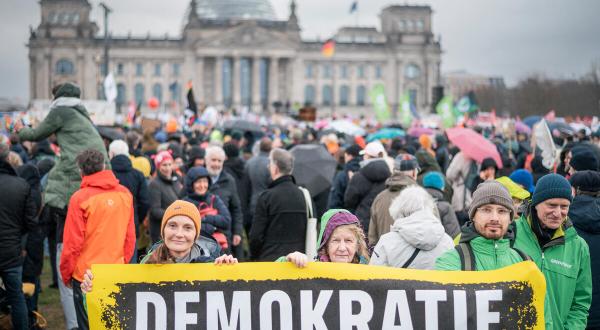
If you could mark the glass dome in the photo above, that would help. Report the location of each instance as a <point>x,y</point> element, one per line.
<point>236,9</point>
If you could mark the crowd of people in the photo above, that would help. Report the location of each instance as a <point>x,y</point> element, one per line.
<point>209,194</point>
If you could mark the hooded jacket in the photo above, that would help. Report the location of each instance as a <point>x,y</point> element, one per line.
<point>447,215</point>
<point>565,263</point>
<point>340,183</point>
<point>99,228</point>
<point>457,173</point>
<point>381,220</point>
<point>32,265</point>
<point>226,189</point>
<point>364,187</point>
<point>421,230</point>
<point>163,192</point>
<point>133,180</point>
<point>584,213</point>
<point>75,132</point>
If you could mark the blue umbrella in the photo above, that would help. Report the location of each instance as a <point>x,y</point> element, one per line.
<point>531,120</point>
<point>386,133</point>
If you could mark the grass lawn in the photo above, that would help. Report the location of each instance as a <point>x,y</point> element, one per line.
<point>49,301</point>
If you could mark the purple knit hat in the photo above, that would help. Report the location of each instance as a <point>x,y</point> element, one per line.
<point>338,219</point>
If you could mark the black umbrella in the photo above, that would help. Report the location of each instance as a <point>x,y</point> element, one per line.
<point>314,167</point>
<point>110,133</point>
<point>242,125</point>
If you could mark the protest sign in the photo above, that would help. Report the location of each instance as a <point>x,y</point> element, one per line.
<point>320,296</point>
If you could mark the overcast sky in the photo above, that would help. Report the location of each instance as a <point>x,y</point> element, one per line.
<point>509,38</point>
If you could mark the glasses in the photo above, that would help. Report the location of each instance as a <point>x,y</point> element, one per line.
<point>488,211</point>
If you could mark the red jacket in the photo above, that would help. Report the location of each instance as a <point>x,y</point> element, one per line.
<point>99,228</point>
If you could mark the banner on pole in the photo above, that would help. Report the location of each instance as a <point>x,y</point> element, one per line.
<point>322,295</point>
<point>382,109</point>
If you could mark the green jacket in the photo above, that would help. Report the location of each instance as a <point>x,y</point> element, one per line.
<point>75,132</point>
<point>565,263</point>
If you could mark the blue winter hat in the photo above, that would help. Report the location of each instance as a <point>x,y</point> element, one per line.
<point>434,180</point>
<point>551,186</point>
<point>524,178</point>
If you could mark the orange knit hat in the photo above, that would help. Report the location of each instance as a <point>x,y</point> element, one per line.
<point>184,208</point>
<point>425,141</point>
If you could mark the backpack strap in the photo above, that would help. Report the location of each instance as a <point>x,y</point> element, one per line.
<point>467,259</point>
<point>522,254</point>
<point>411,259</point>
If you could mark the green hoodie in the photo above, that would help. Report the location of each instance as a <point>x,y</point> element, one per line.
<point>565,263</point>
<point>75,133</point>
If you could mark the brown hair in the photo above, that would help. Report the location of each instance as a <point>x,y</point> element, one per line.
<point>160,255</point>
<point>90,161</point>
<point>361,248</point>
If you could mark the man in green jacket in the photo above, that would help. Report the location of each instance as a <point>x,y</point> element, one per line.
<point>546,234</point>
<point>70,122</point>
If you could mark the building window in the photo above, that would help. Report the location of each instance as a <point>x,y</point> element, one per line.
<point>139,69</point>
<point>309,71</point>
<point>246,81</point>
<point>327,71</point>
<point>361,71</point>
<point>378,73</point>
<point>120,69</point>
<point>139,93</point>
<point>361,93</point>
<point>401,25</point>
<point>309,95</point>
<point>327,95</point>
<point>420,25</point>
<point>263,69</point>
<point>157,69</point>
<point>175,89</point>
<point>412,71</point>
<point>344,95</point>
<point>227,74</point>
<point>157,92</point>
<point>121,94</point>
<point>344,71</point>
<point>64,67</point>
<point>176,69</point>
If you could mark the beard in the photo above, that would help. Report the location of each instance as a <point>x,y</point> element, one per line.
<point>212,172</point>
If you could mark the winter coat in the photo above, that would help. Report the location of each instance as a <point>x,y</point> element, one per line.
<point>447,215</point>
<point>75,132</point>
<point>565,263</point>
<point>442,156</point>
<point>133,180</point>
<point>421,230</point>
<point>17,216</point>
<point>381,220</point>
<point>280,218</point>
<point>34,260</point>
<point>163,192</point>
<point>457,173</point>
<point>257,178</point>
<point>226,189</point>
<point>100,226</point>
<point>584,213</point>
<point>364,186</point>
<point>340,183</point>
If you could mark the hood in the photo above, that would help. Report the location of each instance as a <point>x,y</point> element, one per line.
<point>325,223</point>
<point>121,163</point>
<point>353,165</point>
<point>6,168</point>
<point>375,170</point>
<point>420,229</point>
<point>68,90</point>
<point>399,181</point>
<point>235,165</point>
<point>427,162</point>
<point>30,173</point>
<point>584,213</point>
<point>437,195</point>
<point>104,180</point>
<point>194,174</point>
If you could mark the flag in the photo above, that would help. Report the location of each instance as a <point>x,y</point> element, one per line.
<point>110,88</point>
<point>191,111</point>
<point>131,113</point>
<point>354,7</point>
<point>382,110</point>
<point>444,110</point>
<point>404,111</point>
<point>328,48</point>
<point>466,105</point>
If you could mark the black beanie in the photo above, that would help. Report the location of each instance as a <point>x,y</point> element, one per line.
<point>551,186</point>
<point>583,158</point>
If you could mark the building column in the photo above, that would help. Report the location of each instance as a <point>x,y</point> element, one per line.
<point>256,106</point>
<point>199,80</point>
<point>218,82</point>
<point>48,82</point>
<point>273,80</point>
<point>236,82</point>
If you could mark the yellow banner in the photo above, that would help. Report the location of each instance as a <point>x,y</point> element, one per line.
<point>320,296</point>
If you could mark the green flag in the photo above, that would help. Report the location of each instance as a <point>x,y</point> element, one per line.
<point>406,116</point>
<point>462,106</point>
<point>382,110</point>
<point>444,109</point>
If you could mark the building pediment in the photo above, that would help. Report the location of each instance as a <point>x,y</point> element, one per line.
<point>249,35</point>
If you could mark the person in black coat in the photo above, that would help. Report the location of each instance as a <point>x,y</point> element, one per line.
<point>365,185</point>
<point>132,179</point>
<point>280,217</point>
<point>18,217</point>
<point>341,179</point>
<point>584,213</point>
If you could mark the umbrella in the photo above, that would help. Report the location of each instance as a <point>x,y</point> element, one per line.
<point>473,144</point>
<point>386,133</point>
<point>418,131</point>
<point>521,127</point>
<point>531,120</point>
<point>346,127</point>
<point>314,167</point>
<point>561,128</point>
<point>110,133</point>
<point>242,125</point>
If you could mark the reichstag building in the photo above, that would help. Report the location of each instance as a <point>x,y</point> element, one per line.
<point>237,53</point>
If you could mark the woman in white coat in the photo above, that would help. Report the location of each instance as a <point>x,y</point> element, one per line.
<point>417,236</point>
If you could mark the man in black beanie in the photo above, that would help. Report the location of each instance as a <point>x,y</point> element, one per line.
<point>546,234</point>
<point>582,159</point>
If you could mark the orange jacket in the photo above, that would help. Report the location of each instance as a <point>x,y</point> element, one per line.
<point>99,228</point>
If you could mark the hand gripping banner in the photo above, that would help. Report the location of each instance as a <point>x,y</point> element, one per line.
<point>320,296</point>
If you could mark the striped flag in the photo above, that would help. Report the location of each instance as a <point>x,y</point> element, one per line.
<point>328,48</point>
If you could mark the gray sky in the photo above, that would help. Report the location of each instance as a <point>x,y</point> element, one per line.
<point>510,38</point>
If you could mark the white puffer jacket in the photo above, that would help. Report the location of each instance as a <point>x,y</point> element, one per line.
<point>419,230</point>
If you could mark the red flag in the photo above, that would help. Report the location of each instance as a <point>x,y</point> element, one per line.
<point>328,48</point>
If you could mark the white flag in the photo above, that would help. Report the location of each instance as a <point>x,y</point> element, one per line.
<point>542,138</point>
<point>110,88</point>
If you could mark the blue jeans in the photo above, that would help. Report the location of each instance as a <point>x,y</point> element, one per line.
<point>12,279</point>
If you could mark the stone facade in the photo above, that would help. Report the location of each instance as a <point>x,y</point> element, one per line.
<point>234,61</point>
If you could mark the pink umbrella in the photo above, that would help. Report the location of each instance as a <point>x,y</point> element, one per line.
<point>521,127</point>
<point>418,131</point>
<point>321,123</point>
<point>473,144</point>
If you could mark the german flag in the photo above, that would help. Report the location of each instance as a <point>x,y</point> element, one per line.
<point>328,48</point>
